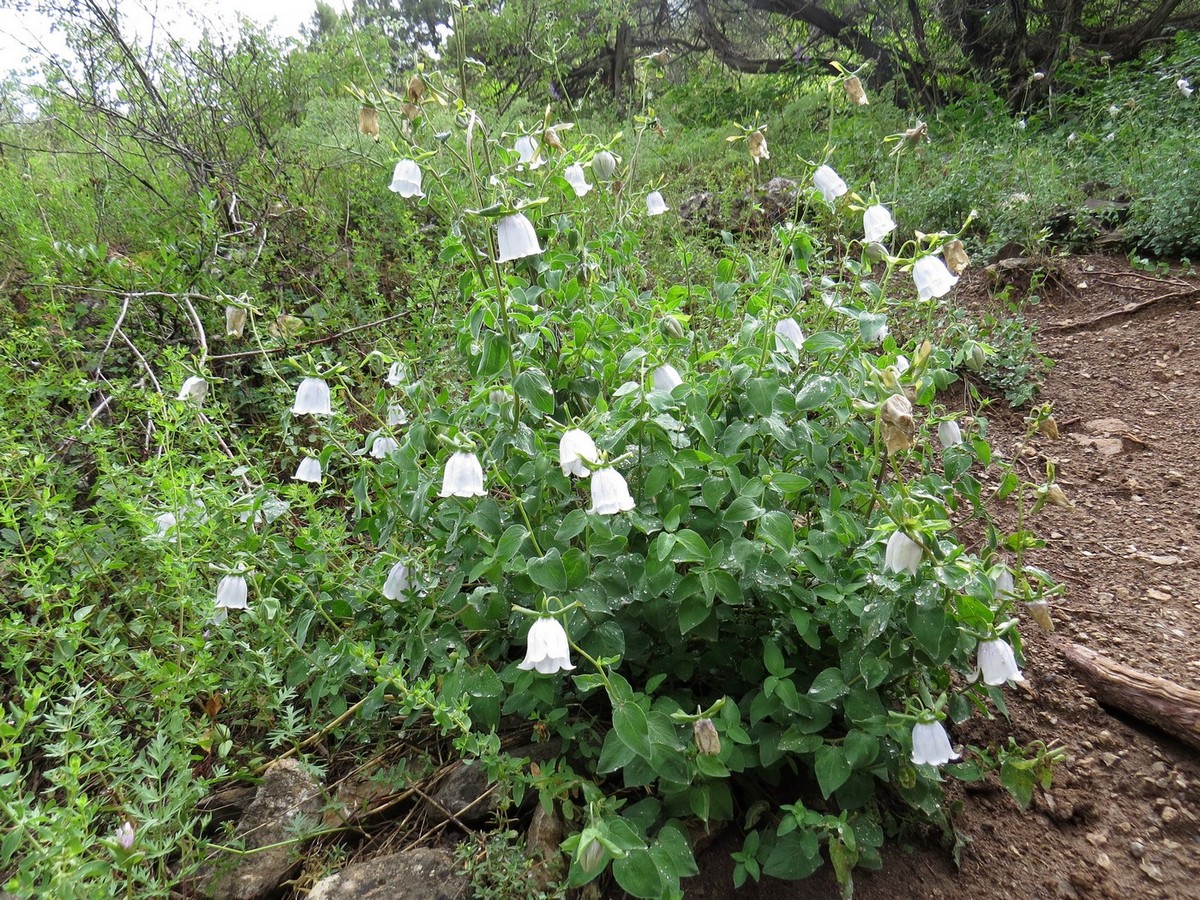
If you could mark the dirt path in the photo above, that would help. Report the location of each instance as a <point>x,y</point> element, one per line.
<point>1122,819</point>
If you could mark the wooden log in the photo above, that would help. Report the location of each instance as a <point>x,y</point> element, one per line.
<point>1156,701</point>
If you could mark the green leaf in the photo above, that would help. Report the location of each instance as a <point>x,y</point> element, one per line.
<point>742,509</point>
<point>1018,778</point>
<point>533,387</point>
<point>827,686</point>
<point>777,530</point>
<point>815,392</point>
<point>824,340</point>
<point>832,769</point>
<point>794,856</point>
<point>761,394</point>
<point>510,542</point>
<point>637,874</point>
<point>548,572</point>
<point>689,547</point>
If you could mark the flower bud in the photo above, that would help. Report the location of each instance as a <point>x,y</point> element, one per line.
<point>604,164</point>
<point>708,741</point>
<point>976,357</point>
<point>671,327</point>
<point>1056,496</point>
<point>1039,610</point>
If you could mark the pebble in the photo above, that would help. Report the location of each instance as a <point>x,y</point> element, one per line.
<point>1169,815</point>
<point>1137,849</point>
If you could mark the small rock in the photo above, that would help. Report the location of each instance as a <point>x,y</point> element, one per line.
<point>1109,759</point>
<point>1096,838</point>
<point>1105,426</point>
<point>422,874</point>
<point>1169,815</point>
<point>1153,872</point>
<point>286,797</point>
<point>1137,849</point>
<point>1161,596</point>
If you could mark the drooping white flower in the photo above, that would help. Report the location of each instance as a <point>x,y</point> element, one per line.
<point>1114,111</point>
<point>463,476</point>
<point>231,592</point>
<point>788,329</point>
<point>406,179</point>
<point>396,415</point>
<point>164,524</point>
<point>756,144</point>
<point>547,649</point>
<point>829,183</point>
<point>932,278</point>
<point>577,180</point>
<point>576,452</point>
<point>312,398</point>
<point>604,164</point>
<point>527,148</point>
<point>235,321</point>
<point>931,745</point>
<point>655,204</point>
<point>383,446</point>
<point>309,470</point>
<point>610,493</point>
<point>1185,87</point>
<point>949,434</point>
<point>666,379</point>
<point>903,554</point>
<point>397,583</point>
<point>1021,125</point>
<point>1003,587</point>
<point>194,390</point>
<point>395,375</point>
<point>997,662</point>
<point>877,223</point>
<point>517,238</point>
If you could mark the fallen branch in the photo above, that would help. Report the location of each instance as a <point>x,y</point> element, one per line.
<point>1156,701</point>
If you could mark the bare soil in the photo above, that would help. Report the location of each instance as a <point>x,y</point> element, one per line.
<point>1122,819</point>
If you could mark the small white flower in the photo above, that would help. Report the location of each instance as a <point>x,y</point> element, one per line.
<point>1003,587</point>
<point>396,415</point>
<point>1114,111</point>
<point>1185,87</point>
<point>666,379</point>
<point>655,204</point>
<point>931,745</point>
<point>516,237</point>
<point>949,433</point>
<point>903,554</point>
<point>463,476</point>
<point>610,493</point>
<point>406,179</point>
<point>164,524</point>
<point>877,223</point>
<point>383,446</point>
<point>547,648</point>
<point>997,662</point>
<point>397,583</point>
<point>194,390</point>
<point>1038,76</point>
<point>527,148</point>
<point>932,278</point>
<point>309,470</point>
<point>312,397</point>
<point>1071,139</point>
<point>576,452</point>
<point>125,835</point>
<point>788,331</point>
<point>604,164</point>
<point>1021,125</point>
<point>395,375</point>
<point>1110,137</point>
<point>577,180</point>
<point>235,321</point>
<point>829,183</point>
<point>231,592</point>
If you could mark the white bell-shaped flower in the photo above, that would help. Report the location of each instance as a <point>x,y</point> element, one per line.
<point>576,453</point>
<point>829,183</point>
<point>655,204</point>
<point>383,446</point>
<point>604,164</point>
<point>610,493</point>
<point>931,745</point>
<point>665,379</point>
<point>312,398</point>
<point>516,237</point>
<point>164,525</point>
<point>309,470</point>
<point>396,374</point>
<point>194,390</point>
<point>406,179</point>
<point>231,592</point>
<point>903,554</point>
<point>527,148</point>
<point>577,180</point>
<point>877,223</point>
<point>235,321</point>
<point>1003,587</point>
<point>397,583</point>
<point>932,278</point>
<point>1185,87</point>
<point>396,415</point>
<point>788,330</point>
<point>949,433</point>
<point>547,649</point>
<point>463,476</point>
<point>997,662</point>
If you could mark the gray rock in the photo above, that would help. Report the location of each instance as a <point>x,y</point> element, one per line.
<point>458,792</point>
<point>416,875</point>
<point>541,845</point>
<point>287,796</point>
